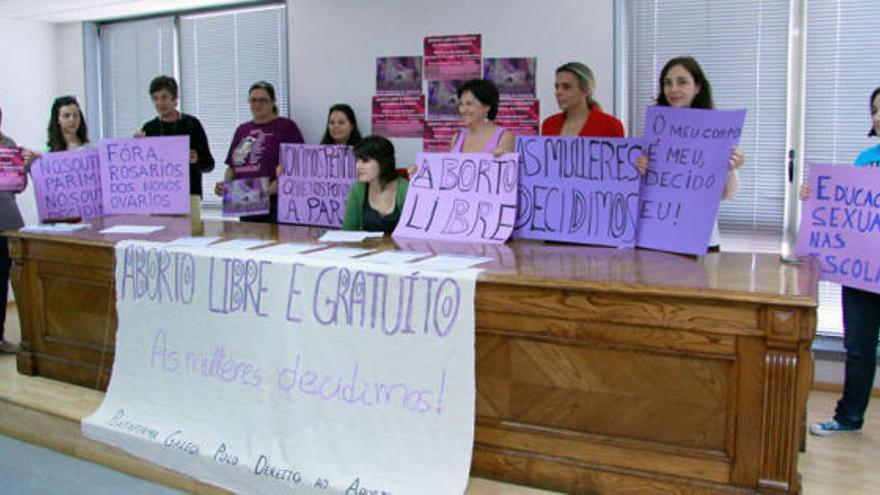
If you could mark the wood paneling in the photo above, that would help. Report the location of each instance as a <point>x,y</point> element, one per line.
<point>598,370</point>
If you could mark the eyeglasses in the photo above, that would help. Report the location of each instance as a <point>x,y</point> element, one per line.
<point>259,100</point>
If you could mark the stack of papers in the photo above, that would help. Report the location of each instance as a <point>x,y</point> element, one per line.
<point>56,228</point>
<point>348,236</point>
<point>132,229</point>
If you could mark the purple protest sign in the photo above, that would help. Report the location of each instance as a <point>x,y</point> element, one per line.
<point>689,153</point>
<point>461,197</point>
<point>68,185</point>
<point>145,176</point>
<point>314,184</point>
<point>581,190</point>
<point>840,224</point>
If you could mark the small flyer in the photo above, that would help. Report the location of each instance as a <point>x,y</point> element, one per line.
<point>515,77</point>
<point>443,99</point>
<point>519,116</point>
<point>453,57</point>
<point>12,170</point>
<point>399,115</point>
<point>248,196</point>
<point>439,134</point>
<point>398,75</point>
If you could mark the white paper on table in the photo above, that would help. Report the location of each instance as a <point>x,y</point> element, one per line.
<point>192,241</point>
<point>242,244</point>
<point>394,257</point>
<point>132,229</point>
<point>339,252</point>
<point>291,248</point>
<point>348,235</point>
<point>56,228</point>
<point>449,262</point>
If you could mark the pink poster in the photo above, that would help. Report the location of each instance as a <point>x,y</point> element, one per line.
<point>249,196</point>
<point>840,224</point>
<point>453,57</point>
<point>443,99</point>
<point>145,176</point>
<point>399,115</point>
<point>398,75</point>
<point>515,77</point>
<point>461,197</point>
<point>519,116</point>
<point>314,183</point>
<point>12,170</point>
<point>67,185</point>
<point>439,134</point>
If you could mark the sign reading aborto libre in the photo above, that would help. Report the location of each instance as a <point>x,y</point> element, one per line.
<point>268,373</point>
<point>467,197</point>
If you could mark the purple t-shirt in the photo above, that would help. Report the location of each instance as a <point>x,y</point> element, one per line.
<point>255,148</point>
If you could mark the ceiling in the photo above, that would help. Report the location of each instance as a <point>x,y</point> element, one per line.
<point>92,10</point>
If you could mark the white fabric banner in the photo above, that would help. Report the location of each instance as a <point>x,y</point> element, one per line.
<point>262,373</point>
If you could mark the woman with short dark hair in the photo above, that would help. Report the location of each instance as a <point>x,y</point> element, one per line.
<point>478,106</point>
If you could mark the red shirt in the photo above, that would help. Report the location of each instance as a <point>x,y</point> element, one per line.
<point>598,124</point>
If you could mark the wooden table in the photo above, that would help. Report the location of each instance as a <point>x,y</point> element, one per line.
<point>598,370</point>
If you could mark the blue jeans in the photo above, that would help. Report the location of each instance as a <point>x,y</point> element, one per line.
<point>861,322</point>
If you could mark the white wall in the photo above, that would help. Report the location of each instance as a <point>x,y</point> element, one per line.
<point>334,43</point>
<point>43,61</point>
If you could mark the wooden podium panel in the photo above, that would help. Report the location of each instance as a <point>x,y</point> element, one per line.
<point>598,370</point>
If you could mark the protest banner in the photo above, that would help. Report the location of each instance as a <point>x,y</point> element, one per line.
<point>398,75</point>
<point>314,183</point>
<point>519,116</point>
<point>13,177</point>
<point>287,383</point>
<point>461,197</point>
<point>248,196</point>
<point>67,185</point>
<point>145,176</point>
<point>581,190</point>
<point>514,77</point>
<point>840,224</point>
<point>453,57</point>
<point>399,115</point>
<point>689,154</point>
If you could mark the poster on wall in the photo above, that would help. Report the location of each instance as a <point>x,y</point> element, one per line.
<point>398,75</point>
<point>399,115</point>
<point>314,183</point>
<point>439,134</point>
<point>453,57</point>
<point>520,116</point>
<point>244,197</point>
<point>514,77</point>
<point>840,224</point>
<point>443,99</point>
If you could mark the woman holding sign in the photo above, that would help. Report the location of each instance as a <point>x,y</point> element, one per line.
<point>581,115</point>
<point>684,85</point>
<point>256,146</point>
<point>861,324</point>
<point>342,126</point>
<point>478,105</point>
<point>67,127</point>
<point>376,199</point>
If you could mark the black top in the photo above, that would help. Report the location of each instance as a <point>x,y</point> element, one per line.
<point>375,221</point>
<point>190,126</point>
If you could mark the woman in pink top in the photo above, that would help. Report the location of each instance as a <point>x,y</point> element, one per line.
<point>478,105</point>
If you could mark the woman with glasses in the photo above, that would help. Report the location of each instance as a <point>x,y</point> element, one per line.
<point>256,146</point>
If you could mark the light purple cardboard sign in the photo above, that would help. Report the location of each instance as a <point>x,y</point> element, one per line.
<point>314,183</point>
<point>68,185</point>
<point>840,224</point>
<point>145,176</point>
<point>461,197</point>
<point>689,159</point>
<point>248,196</point>
<point>580,190</point>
